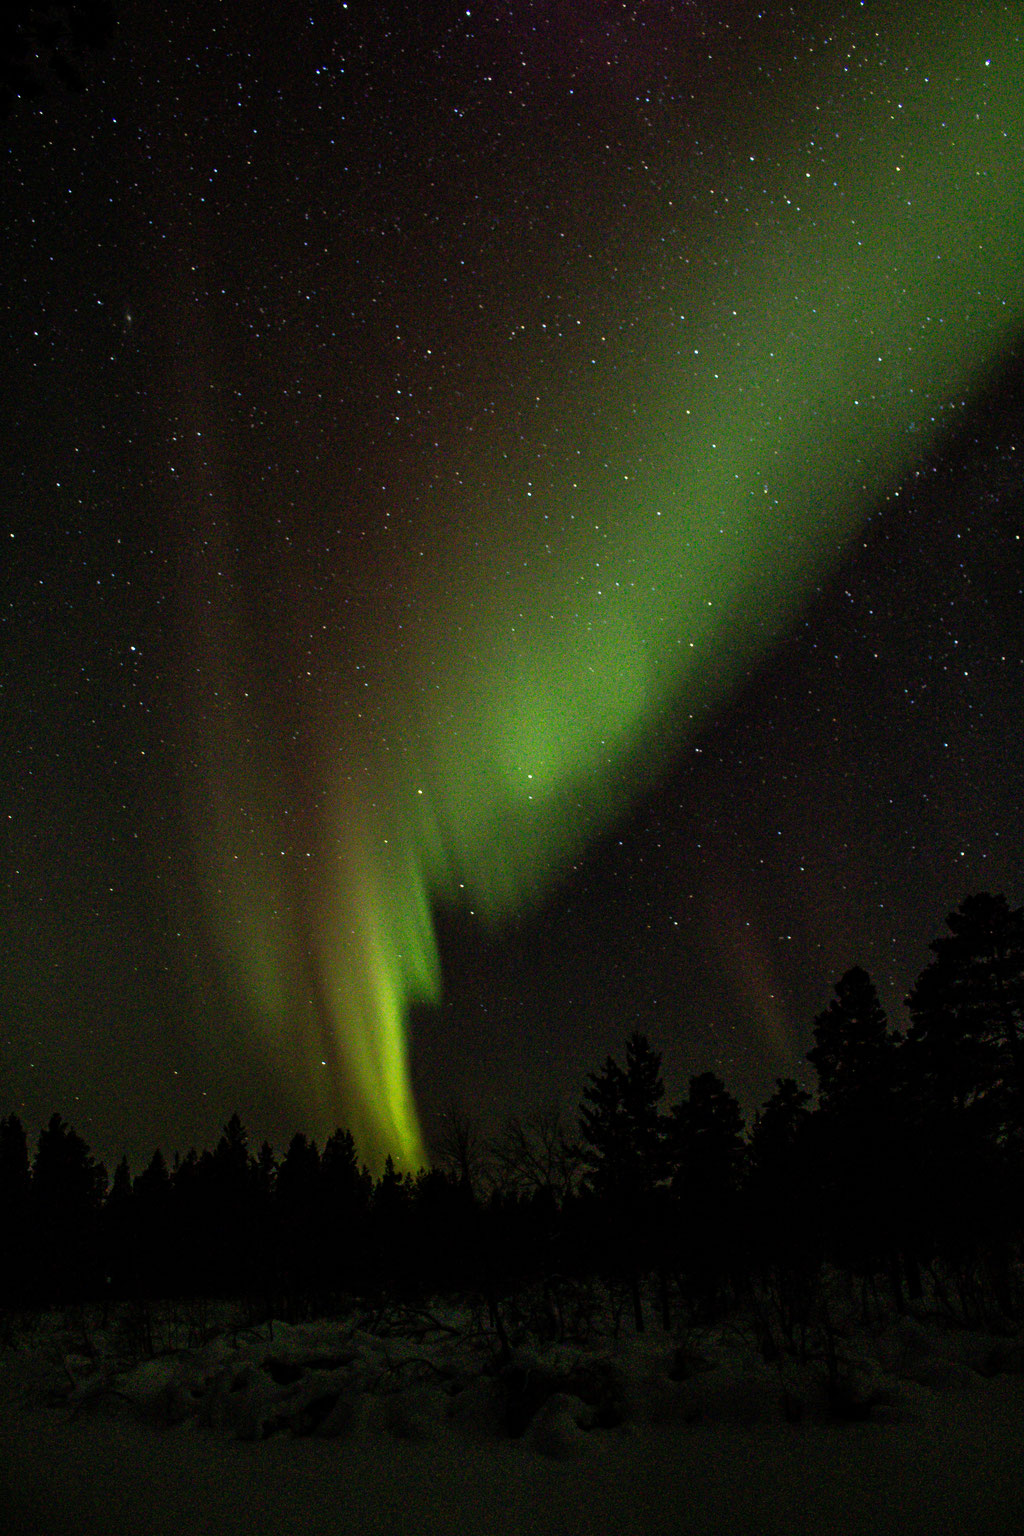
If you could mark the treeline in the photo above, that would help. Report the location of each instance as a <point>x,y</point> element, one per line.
<point>905,1171</point>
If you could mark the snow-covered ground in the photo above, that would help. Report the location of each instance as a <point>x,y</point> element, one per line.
<point>404,1426</point>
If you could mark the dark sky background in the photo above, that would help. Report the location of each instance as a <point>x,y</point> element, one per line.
<point>320,328</point>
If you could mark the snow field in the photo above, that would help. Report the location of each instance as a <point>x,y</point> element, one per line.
<point>330,1427</point>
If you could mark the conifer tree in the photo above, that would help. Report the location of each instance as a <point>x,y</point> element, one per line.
<point>967,1009</point>
<point>120,1249</point>
<point>623,1134</point>
<point>154,1238</point>
<point>778,1124</point>
<point>861,1139</point>
<point>706,1139</point>
<point>68,1186</point>
<point>707,1149</point>
<point>622,1129</point>
<point>781,1189</point>
<point>854,1051</point>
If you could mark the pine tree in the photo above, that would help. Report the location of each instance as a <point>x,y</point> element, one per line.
<point>232,1154</point>
<point>861,1139</point>
<point>623,1133</point>
<point>298,1197</point>
<point>706,1140</point>
<point>854,1052</point>
<point>706,1148</point>
<point>348,1191</point>
<point>341,1169</point>
<point>119,1243</point>
<point>622,1129</point>
<point>782,1181</point>
<point>154,1239</point>
<point>226,1207</point>
<point>68,1186</point>
<point>778,1124</point>
<point>967,1009</point>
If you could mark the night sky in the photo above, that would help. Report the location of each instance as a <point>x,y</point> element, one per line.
<point>511,525</point>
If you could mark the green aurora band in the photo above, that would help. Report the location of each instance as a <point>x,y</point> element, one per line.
<point>561,635</point>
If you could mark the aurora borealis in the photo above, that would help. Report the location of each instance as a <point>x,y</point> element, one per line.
<point>430,434</point>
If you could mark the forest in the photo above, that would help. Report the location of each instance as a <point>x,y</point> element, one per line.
<point>903,1173</point>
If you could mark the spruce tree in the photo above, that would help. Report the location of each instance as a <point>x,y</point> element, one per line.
<point>853,1054</point>
<point>622,1129</point>
<point>860,1137</point>
<point>68,1187</point>
<point>706,1147</point>
<point>967,1009</point>
<point>623,1134</point>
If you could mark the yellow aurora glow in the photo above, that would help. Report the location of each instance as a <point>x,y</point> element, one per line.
<point>527,672</point>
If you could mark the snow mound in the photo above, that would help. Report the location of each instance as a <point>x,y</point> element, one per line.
<point>430,1378</point>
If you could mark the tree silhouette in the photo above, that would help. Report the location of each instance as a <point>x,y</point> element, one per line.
<point>536,1155</point>
<point>347,1194</point>
<point>853,1054</point>
<point>912,1162</point>
<point>298,1200</point>
<point>459,1147</point>
<point>860,1138</point>
<point>963,1093</point>
<point>154,1239</point>
<point>623,1134</point>
<point>622,1129</point>
<point>192,1267</point>
<point>392,1197</point>
<point>706,1139</point>
<point>778,1124</point>
<point>706,1150</point>
<point>216,1196</point>
<point>967,1009</point>
<point>782,1190</point>
<point>68,1186</point>
<point>118,1227</point>
<point>348,1182</point>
